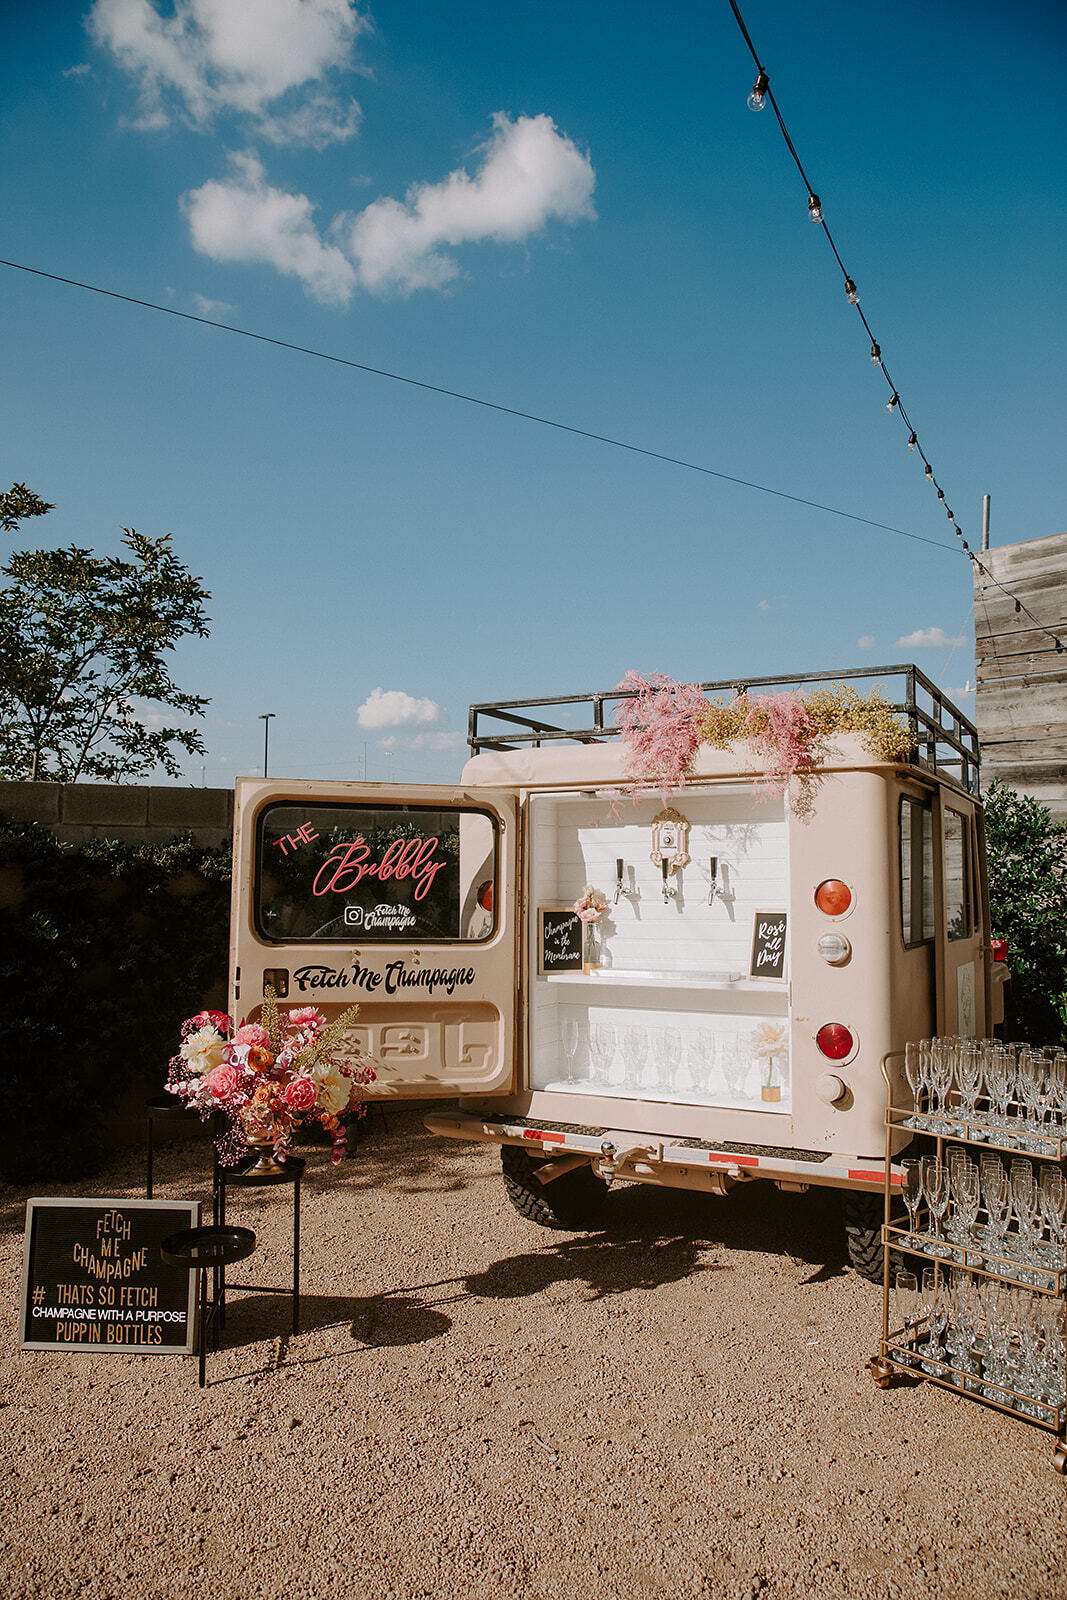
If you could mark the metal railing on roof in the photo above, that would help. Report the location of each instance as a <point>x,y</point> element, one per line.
<point>947,740</point>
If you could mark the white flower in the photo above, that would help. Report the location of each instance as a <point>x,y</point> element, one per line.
<point>334,1088</point>
<point>203,1050</point>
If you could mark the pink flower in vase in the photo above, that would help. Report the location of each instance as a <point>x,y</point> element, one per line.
<point>252,1034</point>
<point>223,1082</point>
<point>300,1095</point>
<point>307,1017</point>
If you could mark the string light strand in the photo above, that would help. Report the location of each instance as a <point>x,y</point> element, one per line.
<point>762,94</point>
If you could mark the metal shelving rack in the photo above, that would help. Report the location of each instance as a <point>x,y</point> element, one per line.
<point>900,1350</point>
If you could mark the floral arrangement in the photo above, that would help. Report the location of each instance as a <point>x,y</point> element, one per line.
<point>768,1041</point>
<point>590,904</point>
<point>659,724</point>
<point>268,1077</point>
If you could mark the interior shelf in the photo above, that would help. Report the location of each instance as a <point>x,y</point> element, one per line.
<point>638,978</point>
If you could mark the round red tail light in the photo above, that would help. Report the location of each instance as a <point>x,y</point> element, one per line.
<point>834,1040</point>
<point>833,897</point>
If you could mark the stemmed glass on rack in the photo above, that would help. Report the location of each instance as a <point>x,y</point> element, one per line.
<point>911,1189</point>
<point>935,1188</point>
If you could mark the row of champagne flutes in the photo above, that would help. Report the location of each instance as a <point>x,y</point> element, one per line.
<point>1025,1209</point>
<point>1016,1091</point>
<point>659,1061</point>
<point>996,1336</point>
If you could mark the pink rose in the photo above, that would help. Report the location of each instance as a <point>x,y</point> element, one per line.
<point>300,1094</point>
<point>222,1082</point>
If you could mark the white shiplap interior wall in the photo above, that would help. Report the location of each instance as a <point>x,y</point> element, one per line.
<point>673,974</point>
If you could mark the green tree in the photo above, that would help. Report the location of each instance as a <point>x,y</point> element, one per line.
<point>1028,903</point>
<point>83,641</point>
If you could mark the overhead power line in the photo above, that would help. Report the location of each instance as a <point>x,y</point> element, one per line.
<point>476,400</point>
<point>762,95</point>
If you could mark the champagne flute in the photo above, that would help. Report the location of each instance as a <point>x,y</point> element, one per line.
<point>668,1054</point>
<point>602,1049</point>
<point>634,1054</point>
<point>912,1190</point>
<point>935,1188</point>
<point>906,1287</point>
<point>569,1039</point>
<point>997,1197</point>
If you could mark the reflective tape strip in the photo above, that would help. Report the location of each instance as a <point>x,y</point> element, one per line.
<point>543,1136</point>
<point>733,1161</point>
<point>867,1177</point>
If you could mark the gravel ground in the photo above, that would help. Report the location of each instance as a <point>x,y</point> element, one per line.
<point>676,1405</point>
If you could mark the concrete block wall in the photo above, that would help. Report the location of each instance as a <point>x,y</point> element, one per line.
<point>134,813</point>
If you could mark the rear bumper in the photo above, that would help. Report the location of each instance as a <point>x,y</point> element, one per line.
<point>698,1165</point>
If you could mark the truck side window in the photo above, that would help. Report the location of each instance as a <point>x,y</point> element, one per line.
<point>916,872</point>
<point>374,874</point>
<point>959,877</point>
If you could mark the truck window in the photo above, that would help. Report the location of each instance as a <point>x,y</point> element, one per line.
<point>959,877</point>
<point>376,874</point>
<point>916,872</point>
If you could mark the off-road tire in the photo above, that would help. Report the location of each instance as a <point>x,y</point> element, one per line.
<point>863,1217</point>
<point>572,1201</point>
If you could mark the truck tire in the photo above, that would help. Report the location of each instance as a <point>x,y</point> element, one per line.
<point>863,1217</point>
<point>571,1201</point>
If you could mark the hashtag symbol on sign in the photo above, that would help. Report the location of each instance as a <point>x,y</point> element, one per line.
<point>38,1294</point>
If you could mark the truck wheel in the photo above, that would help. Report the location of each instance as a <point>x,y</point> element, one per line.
<point>570,1201</point>
<point>863,1217</point>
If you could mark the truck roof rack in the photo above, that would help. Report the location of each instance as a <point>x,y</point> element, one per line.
<point>948,741</point>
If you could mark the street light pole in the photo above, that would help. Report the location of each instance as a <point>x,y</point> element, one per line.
<point>265,719</point>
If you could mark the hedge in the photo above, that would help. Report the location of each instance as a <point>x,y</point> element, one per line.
<point>106,948</point>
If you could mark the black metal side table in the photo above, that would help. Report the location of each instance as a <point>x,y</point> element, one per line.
<point>207,1250</point>
<point>240,1177</point>
<point>162,1108</point>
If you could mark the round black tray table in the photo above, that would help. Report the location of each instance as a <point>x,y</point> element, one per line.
<point>161,1108</point>
<point>207,1250</point>
<point>241,1177</point>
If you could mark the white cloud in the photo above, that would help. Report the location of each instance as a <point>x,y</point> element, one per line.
<point>244,219</point>
<point>866,641</point>
<point>392,708</point>
<point>530,173</point>
<point>207,56</point>
<point>82,70</point>
<point>210,308</point>
<point>925,639</point>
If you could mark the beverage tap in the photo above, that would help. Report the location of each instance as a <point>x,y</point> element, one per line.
<point>669,891</point>
<point>618,878</point>
<point>714,888</point>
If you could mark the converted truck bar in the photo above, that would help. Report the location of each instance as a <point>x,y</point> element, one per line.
<point>667,1053</point>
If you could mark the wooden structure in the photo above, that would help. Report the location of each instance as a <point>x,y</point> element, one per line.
<point>1021,703</point>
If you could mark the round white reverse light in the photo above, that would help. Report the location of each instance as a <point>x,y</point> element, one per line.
<point>834,947</point>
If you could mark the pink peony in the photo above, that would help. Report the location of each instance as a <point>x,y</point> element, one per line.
<point>252,1034</point>
<point>300,1095</point>
<point>222,1082</point>
<point>307,1017</point>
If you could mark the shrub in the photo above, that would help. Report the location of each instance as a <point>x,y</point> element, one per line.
<point>1028,906</point>
<point>107,947</point>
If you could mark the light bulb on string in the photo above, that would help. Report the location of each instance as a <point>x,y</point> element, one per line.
<point>758,98</point>
<point>814,208</point>
<point>892,403</point>
<point>912,441</point>
<point>949,515</point>
<point>941,494</point>
<point>852,294</point>
<point>876,355</point>
<point>929,473</point>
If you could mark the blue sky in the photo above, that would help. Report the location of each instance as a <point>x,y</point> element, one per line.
<point>570,211</point>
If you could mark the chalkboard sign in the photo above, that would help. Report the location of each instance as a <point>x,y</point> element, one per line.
<point>768,945</point>
<point>93,1277</point>
<point>559,940</point>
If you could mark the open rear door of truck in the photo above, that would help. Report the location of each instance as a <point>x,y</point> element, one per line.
<point>403,899</point>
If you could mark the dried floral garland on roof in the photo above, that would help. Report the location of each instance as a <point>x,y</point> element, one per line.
<point>789,733</point>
